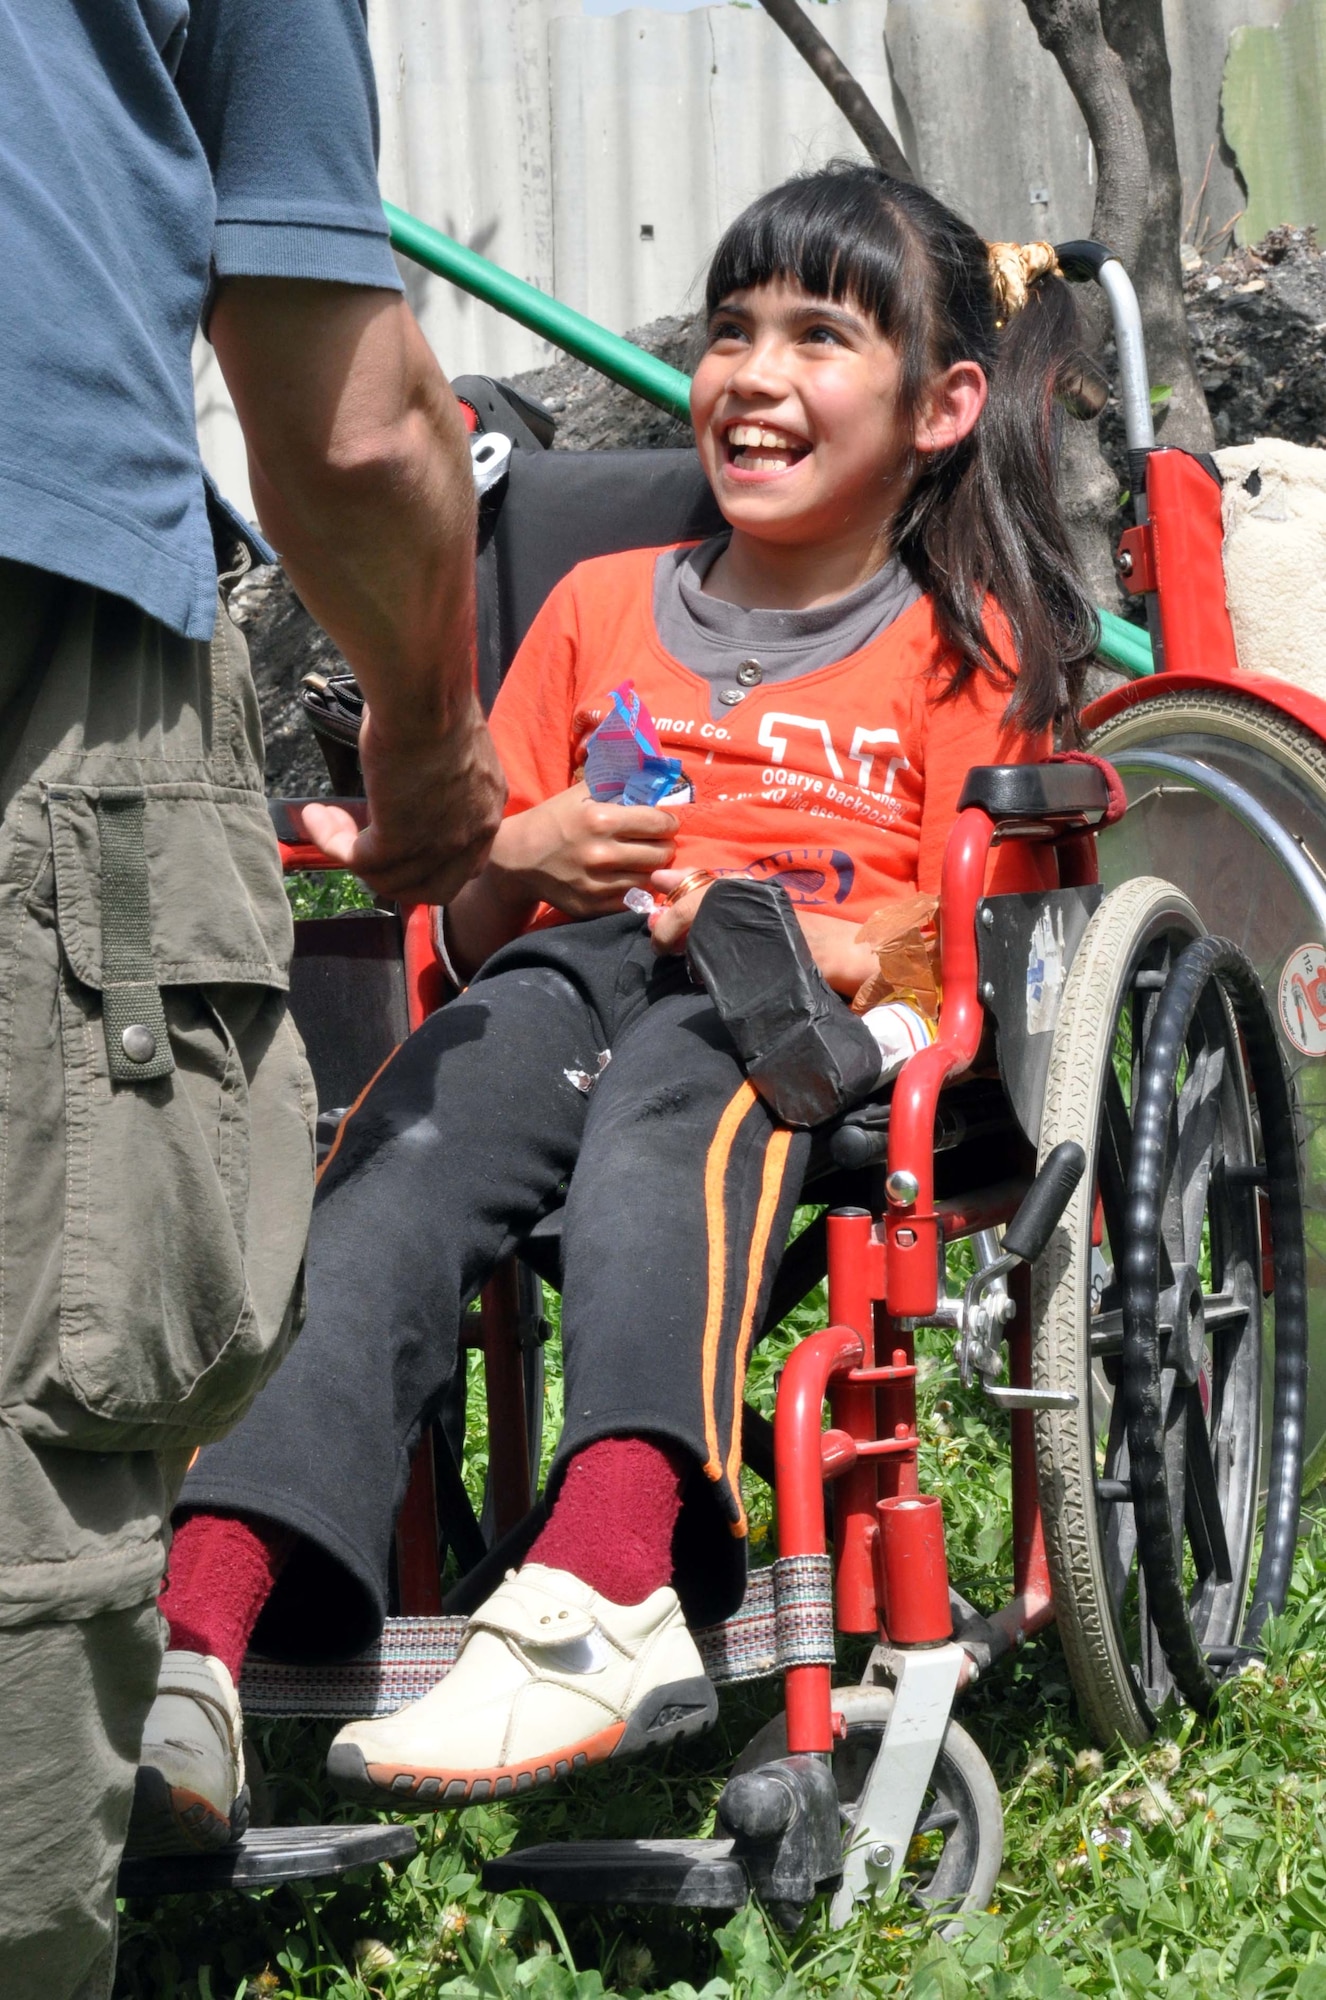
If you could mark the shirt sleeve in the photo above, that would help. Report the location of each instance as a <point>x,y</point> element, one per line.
<point>533,718</point>
<point>961,731</point>
<point>281,95</point>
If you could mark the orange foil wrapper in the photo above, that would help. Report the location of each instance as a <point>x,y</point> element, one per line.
<point>905,940</point>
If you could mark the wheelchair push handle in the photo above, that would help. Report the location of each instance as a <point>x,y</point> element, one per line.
<point>1083,262</point>
<point>1044,1202</point>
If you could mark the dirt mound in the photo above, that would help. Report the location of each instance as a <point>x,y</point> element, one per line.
<point>1258,325</point>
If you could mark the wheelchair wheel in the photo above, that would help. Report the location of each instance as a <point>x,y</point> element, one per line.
<point>1114,1649</point>
<point>1236,820</point>
<point>958,1846</point>
<point>1191,1298</point>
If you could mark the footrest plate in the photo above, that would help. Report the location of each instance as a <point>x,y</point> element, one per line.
<point>681,1874</point>
<point>267,1854</point>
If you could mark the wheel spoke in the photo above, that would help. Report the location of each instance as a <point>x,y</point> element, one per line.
<point>1203,1518</point>
<point>1116,1147</point>
<point>1157,1681</point>
<point>1118,1528</point>
<point>1174,1402</point>
<point>1106,1334</point>
<point>1223,1313</point>
<point>1198,1113</point>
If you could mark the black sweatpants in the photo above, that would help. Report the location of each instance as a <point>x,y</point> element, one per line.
<point>679,1190</point>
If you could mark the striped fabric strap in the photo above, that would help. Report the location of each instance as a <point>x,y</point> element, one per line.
<point>785,1621</point>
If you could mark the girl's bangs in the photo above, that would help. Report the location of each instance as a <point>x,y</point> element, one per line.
<point>829,239</point>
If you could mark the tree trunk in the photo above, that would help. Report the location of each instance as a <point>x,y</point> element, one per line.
<point>1135,29</point>
<point>1113,57</point>
<point>842,87</point>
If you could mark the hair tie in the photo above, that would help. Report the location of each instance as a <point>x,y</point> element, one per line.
<point>1014,269</point>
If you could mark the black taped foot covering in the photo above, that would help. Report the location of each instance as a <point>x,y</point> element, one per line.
<point>805,1051</point>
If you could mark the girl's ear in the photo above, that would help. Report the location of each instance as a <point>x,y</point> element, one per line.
<point>950,407</point>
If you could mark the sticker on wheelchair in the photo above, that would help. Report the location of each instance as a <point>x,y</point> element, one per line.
<point>1303,999</point>
<point>1045,971</point>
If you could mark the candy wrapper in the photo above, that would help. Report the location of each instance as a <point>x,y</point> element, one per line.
<point>624,760</point>
<point>906,943</point>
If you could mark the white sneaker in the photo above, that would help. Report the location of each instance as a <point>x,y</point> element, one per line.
<point>550,1677</point>
<point>190,1795</point>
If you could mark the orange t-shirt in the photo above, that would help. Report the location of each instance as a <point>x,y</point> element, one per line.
<point>840,784</point>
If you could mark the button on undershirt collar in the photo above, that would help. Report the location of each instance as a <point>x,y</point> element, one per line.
<point>737,651</point>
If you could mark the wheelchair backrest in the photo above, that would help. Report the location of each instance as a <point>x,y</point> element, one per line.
<point>555,509</point>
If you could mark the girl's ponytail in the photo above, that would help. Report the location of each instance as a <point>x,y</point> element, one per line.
<point>981,520</point>
<point>985,518</point>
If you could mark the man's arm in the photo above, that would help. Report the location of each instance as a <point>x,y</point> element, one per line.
<point>361,475</point>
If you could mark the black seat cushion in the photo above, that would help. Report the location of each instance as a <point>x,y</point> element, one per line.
<point>1073,793</point>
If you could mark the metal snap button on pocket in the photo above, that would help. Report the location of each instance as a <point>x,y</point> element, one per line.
<point>138,1043</point>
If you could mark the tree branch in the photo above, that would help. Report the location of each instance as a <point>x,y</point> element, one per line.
<point>1072,32</point>
<point>842,87</point>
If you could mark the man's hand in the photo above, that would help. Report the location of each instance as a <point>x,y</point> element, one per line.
<point>434,809</point>
<point>581,856</point>
<point>833,941</point>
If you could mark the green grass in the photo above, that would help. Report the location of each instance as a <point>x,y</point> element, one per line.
<point>1195,1870</point>
<point>326,893</point>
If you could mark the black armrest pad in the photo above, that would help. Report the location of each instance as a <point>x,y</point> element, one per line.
<point>1075,792</point>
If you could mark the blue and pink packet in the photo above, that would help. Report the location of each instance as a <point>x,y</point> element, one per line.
<point>625,764</point>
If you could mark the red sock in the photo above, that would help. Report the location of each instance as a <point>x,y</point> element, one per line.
<point>612,1521</point>
<point>222,1569</point>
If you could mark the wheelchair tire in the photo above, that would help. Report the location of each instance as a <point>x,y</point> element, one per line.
<point>1191,1292</point>
<point>962,1803</point>
<point>1081,1453</point>
<point>1242,887</point>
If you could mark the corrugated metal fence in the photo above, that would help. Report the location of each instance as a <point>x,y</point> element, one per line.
<point>600,158</point>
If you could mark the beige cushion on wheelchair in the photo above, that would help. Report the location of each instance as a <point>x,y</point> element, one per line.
<point>1275,558</point>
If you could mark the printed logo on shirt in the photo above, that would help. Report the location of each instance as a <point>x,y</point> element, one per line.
<point>810,875</point>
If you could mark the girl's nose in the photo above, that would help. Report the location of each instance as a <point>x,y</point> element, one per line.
<point>760,370</point>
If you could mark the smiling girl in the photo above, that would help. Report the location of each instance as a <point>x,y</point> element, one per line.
<point>894,602</point>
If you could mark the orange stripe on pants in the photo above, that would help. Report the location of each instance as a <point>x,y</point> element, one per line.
<point>715,1180</point>
<point>771,1188</point>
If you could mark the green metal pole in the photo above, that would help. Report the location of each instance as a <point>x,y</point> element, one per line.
<point>1125,646</point>
<point>621,360</point>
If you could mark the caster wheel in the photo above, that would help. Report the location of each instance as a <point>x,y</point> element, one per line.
<point>957,1848</point>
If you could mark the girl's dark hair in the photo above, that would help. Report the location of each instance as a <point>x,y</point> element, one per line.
<point>982,517</point>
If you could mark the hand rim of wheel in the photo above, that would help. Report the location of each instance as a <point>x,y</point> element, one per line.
<point>1205,960</point>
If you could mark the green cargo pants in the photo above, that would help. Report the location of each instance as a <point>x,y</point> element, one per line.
<point>156,1172</point>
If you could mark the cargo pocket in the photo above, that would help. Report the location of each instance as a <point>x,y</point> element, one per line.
<point>153,1314</point>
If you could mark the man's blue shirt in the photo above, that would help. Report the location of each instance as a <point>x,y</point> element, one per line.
<point>148,147</point>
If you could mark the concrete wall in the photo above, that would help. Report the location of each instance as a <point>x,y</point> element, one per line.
<point>666,125</point>
<point>601,157</point>
<point>1274,91</point>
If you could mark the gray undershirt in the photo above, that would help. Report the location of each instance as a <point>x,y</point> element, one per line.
<point>735,649</point>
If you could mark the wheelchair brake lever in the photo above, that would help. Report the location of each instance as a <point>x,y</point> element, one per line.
<point>984,1311</point>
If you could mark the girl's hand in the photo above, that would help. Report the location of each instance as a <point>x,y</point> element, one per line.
<point>670,926</point>
<point>832,940</point>
<point>578,855</point>
<point>833,946</point>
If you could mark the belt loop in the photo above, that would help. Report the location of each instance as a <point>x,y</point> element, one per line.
<point>137,1044</point>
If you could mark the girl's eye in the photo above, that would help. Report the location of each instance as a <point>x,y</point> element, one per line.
<point>824,336</point>
<point>725,330</point>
